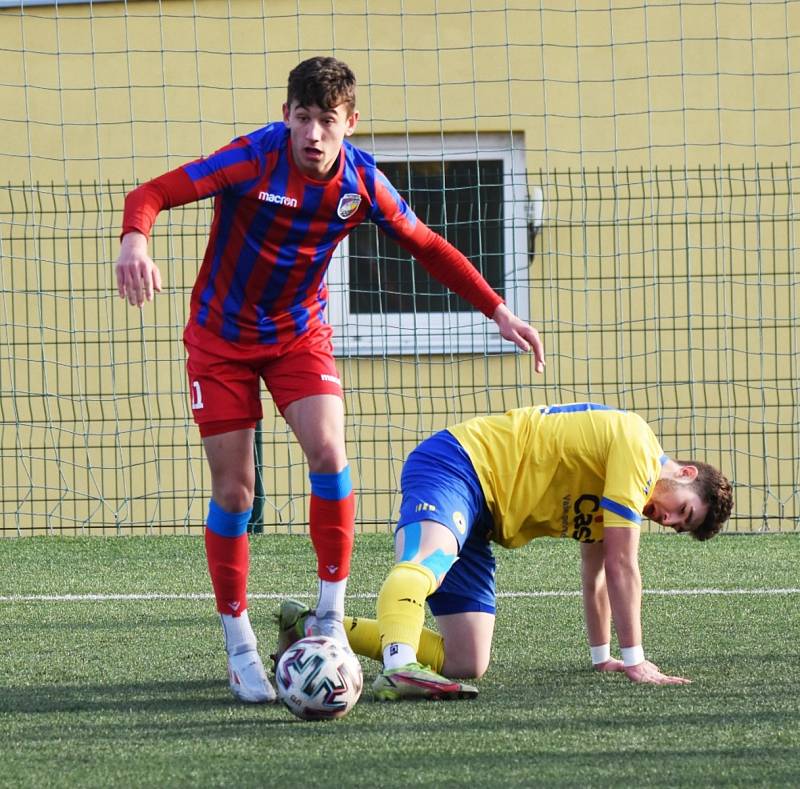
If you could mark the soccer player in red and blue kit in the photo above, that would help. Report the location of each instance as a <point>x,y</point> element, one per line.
<point>285,196</point>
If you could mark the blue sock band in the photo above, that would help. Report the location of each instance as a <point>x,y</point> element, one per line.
<point>333,487</point>
<point>227,524</point>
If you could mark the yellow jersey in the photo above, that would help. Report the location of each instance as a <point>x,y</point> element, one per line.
<point>562,470</point>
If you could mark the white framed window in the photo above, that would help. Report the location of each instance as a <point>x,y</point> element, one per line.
<point>472,189</point>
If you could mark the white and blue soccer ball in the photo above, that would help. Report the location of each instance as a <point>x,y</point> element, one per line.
<point>318,678</point>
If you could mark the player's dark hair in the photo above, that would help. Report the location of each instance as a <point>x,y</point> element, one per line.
<point>323,81</point>
<point>714,489</point>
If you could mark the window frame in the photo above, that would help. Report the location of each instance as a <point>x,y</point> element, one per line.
<point>452,332</point>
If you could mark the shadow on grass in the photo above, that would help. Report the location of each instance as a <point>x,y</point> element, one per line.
<point>184,695</point>
<point>197,703</point>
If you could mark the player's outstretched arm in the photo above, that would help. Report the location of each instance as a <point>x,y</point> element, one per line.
<point>596,607</point>
<point>621,552</point>
<point>524,336</point>
<point>138,276</point>
<point>450,267</point>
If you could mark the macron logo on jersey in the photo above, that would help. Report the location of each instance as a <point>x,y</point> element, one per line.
<point>269,197</point>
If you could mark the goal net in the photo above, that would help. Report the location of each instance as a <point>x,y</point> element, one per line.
<point>623,174</point>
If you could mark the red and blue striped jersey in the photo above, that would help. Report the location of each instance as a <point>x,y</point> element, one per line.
<point>274,231</point>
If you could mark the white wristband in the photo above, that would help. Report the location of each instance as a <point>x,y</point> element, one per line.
<point>600,654</point>
<point>632,656</point>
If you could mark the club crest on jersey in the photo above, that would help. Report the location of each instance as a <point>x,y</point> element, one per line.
<point>348,205</point>
<point>460,522</point>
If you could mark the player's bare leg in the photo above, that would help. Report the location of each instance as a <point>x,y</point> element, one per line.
<point>467,643</point>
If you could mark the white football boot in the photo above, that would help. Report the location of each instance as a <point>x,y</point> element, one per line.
<point>248,680</point>
<point>330,625</point>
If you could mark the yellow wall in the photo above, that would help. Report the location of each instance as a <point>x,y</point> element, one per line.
<point>115,92</point>
<point>661,243</point>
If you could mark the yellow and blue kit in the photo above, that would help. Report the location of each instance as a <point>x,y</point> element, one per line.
<point>542,471</point>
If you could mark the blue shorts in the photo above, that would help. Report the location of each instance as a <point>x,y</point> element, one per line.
<point>439,484</point>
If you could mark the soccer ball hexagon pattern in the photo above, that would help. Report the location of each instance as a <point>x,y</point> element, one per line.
<point>318,679</point>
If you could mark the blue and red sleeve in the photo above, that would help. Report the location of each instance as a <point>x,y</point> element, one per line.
<point>144,203</point>
<point>227,168</point>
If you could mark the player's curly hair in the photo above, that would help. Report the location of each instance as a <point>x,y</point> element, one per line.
<point>717,492</point>
<point>323,81</point>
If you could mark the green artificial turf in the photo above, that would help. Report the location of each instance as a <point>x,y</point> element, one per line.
<point>132,692</point>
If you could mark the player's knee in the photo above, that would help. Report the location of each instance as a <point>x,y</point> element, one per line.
<point>466,653</point>
<point>480,668</point>
<point>437,561</point>
<point>328,457</point>
<point>480,664</point>
<point>465,666</point>
<point>233,495</point>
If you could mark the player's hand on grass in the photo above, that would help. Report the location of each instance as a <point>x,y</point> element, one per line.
<point>137,276</point>
<point>524,336</point>
<point>648,673</point>
<point>612,664</point>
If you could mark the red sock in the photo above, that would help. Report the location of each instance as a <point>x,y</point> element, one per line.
<point>332,524</point>
<point>228,565</point>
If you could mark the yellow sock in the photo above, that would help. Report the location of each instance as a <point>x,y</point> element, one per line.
<point>401,604</point>
<point>431,650</point>
<point>364,638</point>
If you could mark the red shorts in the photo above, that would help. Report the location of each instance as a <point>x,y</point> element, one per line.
<point>224,376</point>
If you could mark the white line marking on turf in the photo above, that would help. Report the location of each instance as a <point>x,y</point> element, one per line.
<point>83,598</point>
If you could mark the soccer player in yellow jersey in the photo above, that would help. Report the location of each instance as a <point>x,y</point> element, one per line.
<point>581,470</point>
